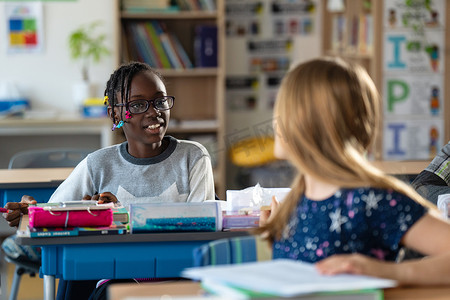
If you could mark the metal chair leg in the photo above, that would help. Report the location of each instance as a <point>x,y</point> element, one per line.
<point>16,283</point>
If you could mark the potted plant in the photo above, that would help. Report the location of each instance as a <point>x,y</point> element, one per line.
<point>88,46</point>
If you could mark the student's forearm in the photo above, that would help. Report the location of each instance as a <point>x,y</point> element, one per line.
<point>430,271</point>
<point>427,271</point>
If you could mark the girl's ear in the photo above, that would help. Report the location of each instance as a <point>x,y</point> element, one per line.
<point>110,113</point>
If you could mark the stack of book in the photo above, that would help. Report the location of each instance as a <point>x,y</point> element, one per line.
<point>150,42</point>
<point>285,278</point>
<point>28,228</point>
<point>145,6</point>
<point>121,214</point>
<point>196,5</point>
<point>114,229</point>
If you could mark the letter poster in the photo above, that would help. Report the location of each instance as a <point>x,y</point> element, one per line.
<point>413,79</point>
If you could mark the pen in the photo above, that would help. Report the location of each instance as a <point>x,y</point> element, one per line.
<point>4,210</point>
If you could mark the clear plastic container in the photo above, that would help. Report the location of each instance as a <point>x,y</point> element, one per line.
<point>175,217</point>
<point>443,205</point>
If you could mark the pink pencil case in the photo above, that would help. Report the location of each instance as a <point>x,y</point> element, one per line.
<point>46,217</point>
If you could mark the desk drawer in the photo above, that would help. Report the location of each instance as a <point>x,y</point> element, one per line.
<point>107,261</point>
<point>176,257</point>
<point>83,263</point>
<point>118,260</point>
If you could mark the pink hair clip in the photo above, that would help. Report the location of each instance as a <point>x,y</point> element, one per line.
<point>128,115</point>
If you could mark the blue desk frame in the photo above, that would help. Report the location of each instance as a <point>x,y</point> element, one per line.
<point>38,183</point>
<point>40,191</point>
<point>162,255</point>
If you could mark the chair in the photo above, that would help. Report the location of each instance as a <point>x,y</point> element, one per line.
<point>232,251</point>
<point>41,158</point>
<point>48,158</point>
<point>22,267</point>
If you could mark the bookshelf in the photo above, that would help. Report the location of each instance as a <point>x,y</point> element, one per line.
<point>354,33</point>
<point>199,110</point>
<point>362,32</point>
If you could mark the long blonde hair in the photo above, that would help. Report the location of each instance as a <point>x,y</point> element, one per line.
<point>328,112</point>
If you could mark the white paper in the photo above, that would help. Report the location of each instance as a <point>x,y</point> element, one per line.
<point>284,277</point>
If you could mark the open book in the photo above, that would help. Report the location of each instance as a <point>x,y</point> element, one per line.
<point>280,277</point>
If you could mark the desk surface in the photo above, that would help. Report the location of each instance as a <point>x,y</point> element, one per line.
<point>402,167</point>
<point>130,238</point>
<point>123,290</point>
<point>67,120</point>
<point>418,293</point>
<point>21,177</point>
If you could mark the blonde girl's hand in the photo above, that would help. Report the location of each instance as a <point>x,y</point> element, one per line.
<point>355,264</point>
<point>102,198</point>
<point>267,213</point>
<point>17,209</point>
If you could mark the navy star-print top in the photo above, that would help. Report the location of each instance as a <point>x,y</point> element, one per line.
<point>363,220</point>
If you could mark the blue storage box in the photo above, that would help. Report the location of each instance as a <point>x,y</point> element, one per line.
<point>11,106</point>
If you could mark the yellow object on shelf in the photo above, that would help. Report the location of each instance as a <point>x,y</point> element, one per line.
<point>252,152</point>
<point>94,108</point>
<point>93,102</point>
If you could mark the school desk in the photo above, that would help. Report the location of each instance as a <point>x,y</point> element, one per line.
<point>53,131</point>
<point>122,291</point>
<point>413,167</point>
<point>162,255</point>
<point>39,183</point>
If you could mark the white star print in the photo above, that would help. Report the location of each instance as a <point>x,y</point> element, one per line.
<point>337,220</point>
<point>402,223</point>
<point>371,200</point>
<point>310,244</point>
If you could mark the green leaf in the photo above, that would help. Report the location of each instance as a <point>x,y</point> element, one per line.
<point>87,45</point>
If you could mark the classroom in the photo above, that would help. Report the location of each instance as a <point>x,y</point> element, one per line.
<point>219,70</point>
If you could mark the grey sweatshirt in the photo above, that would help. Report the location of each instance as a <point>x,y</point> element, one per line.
<point>182,173</point>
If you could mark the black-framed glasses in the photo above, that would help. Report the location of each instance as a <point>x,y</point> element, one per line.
<point>141,106</point>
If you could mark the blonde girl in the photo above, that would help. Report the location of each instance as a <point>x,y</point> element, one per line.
<point>342,213</point>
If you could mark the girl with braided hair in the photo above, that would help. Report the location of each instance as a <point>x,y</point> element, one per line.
<point>149,166</point>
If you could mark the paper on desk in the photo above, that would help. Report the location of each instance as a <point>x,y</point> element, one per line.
<point>169,297</point>
<point>284,277</point>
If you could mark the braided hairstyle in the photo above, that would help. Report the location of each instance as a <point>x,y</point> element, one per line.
<point>120,82</point>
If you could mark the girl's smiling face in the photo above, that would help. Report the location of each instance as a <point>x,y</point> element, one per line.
<point>145,131</point>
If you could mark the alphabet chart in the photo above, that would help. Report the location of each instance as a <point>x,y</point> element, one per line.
<point>413,79</point>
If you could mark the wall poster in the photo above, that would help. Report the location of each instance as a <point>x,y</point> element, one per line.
<point>24,26</point>
<point>413,79</point>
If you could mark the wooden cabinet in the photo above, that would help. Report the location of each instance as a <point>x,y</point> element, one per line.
<point>198,113</point>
